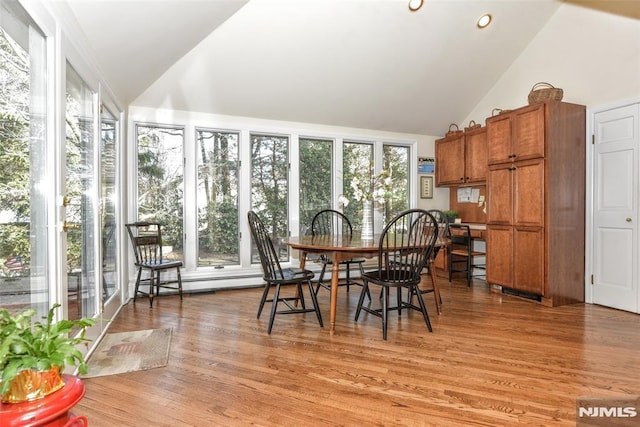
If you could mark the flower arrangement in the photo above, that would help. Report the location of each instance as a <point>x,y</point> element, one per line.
<point>368,188</point>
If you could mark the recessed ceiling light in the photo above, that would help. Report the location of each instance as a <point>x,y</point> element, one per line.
<point>484,20</point>
<point>415,5</point>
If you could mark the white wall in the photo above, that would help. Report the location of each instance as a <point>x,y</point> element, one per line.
<point>593,56</point>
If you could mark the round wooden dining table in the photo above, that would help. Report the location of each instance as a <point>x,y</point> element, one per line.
<point>336,248</point>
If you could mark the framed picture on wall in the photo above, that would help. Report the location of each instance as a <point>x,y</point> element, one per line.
<point>426,165</point>
<point>426,187</point>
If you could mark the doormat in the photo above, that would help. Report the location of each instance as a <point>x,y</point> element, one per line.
<point>123,352</point>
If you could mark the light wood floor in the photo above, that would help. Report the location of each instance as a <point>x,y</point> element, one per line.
<point>491,360</point>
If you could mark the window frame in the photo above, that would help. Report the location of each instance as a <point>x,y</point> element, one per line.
<point>247,273</point>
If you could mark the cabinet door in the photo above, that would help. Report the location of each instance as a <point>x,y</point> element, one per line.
<point>450,160</point>
<point>528,204</point>
<point>500,195</point>
<point>528,132</point>
<point>528,260</point>
<point>500,255</point>
<point>499,139</point>
<point>476,155</point>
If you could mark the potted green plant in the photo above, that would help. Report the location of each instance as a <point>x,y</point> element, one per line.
<point>451,215</point>
<point>33,354</point>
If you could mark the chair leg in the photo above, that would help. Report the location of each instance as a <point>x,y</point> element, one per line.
<point>361,276</point>
<point>274,308</point>
<point>385,312</point>
<point>365,290</point>
<point>152,280</point>
<point>348,275</point>
<point>135,292</point>
<point>158,284</point>
<point>314,300</point>
<point>179,283</point>
<point>423,307</point>
<point>436,289</point>
<point>267,286</point>
<point>321,277</point>
<point>300,296</point>
<point>469,271</point>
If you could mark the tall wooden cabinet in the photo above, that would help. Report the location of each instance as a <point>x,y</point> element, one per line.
<point>536,202</point>
<point>461,158</point>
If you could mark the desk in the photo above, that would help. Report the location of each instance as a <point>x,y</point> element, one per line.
<point>478,231</point>
<point>337,248</point>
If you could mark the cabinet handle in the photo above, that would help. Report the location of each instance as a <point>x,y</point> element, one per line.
<point>628,220</point>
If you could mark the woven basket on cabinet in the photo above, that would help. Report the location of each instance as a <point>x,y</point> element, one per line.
<point>544,92</point>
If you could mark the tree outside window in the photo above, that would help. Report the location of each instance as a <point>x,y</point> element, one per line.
<point>316,179</point>
<point>218,168</point>
<point>160,183</point>
<point>270,188</point>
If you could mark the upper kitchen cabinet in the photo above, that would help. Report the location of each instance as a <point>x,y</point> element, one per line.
<point>517,135</point>
<point>461,157</point>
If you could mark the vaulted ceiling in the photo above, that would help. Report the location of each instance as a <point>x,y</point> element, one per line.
<point>369,64</point>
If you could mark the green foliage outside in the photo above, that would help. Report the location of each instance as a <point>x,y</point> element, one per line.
<point>14,154</point>
<point>160,182</point>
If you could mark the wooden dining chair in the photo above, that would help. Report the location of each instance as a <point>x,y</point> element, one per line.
<point>146,238</point>
<point>275,276</point>
<point>403,251</point>
<point>331,222</point>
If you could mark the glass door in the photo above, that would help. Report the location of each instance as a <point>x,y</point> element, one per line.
<point>24,184</point>
<point>79,199</point>
<point>109,141</point>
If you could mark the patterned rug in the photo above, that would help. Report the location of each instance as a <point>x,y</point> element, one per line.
<point>123,352</point>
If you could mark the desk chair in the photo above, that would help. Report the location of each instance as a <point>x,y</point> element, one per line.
<point>462,256</point>
<point>330,222</point>
<point>276,276</point>
<point>146,238</point>
<point>403,250</point>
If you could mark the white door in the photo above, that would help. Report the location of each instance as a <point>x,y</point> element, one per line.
<point>615,198</point>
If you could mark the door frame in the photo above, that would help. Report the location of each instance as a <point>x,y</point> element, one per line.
<point>590,188</point>
<point>68,52</point>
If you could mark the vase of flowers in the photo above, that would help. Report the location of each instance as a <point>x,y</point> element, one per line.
<point>367,220</point>
<point>368,189</point>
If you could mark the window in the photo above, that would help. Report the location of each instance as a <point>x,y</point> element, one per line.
<point>160,183</point>
<point>228,171</point>
<point>109,191</point>
<point>270,188</point>
<point>80,200</point>
<point>396,162</point>
<point>217,198</point>
<point>316,179</point>
<point>357,166</point>
<point>24,280</point>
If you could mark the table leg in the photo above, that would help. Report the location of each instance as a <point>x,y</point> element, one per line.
<point>303,259</point>
<point>335,275</point>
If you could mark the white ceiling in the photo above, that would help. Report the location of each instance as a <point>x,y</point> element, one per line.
<point>369,64</point>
